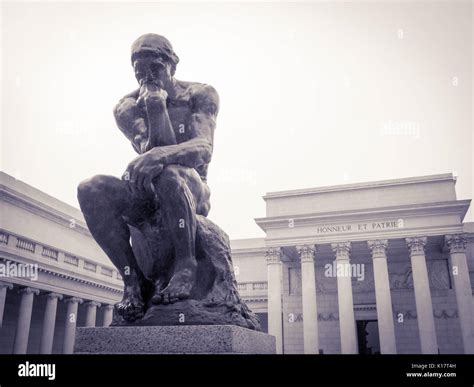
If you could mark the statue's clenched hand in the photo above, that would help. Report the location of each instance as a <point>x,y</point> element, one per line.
<point>143,169</point>
<point>152,97</point>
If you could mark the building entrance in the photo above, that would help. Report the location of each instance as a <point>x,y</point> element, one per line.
<point>368,337</point>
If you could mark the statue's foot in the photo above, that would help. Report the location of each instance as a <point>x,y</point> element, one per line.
<point>179,286</point>
<point>157,297</point>
<point>131,307</point>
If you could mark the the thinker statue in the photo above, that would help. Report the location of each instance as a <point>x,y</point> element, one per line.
<point>152,222</point>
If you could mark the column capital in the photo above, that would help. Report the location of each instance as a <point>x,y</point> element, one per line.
<point>74,300</point>
<point>456,243</point>
<point>342,249</point>
<point>108,307</point>
<point>416,245</point>
<point>53,295</point>
<point>93,303</point>
<point>378,248</point>
<point>28,290</point>
<point>7,285</point>
<point>273,255</point>
<point>306,252</point>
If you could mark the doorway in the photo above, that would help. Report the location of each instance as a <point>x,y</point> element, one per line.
<point>368,337</point>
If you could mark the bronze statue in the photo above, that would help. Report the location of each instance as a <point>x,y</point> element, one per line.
<point>152,223</point>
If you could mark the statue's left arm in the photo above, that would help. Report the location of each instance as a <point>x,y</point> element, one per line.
<point>192,153</point>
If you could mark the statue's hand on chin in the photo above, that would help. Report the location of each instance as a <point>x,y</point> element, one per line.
<point>152,96</point>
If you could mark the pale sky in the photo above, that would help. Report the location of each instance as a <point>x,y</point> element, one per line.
<point>311,94</point>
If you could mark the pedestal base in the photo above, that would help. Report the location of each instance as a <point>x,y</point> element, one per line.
<point>205,339</point>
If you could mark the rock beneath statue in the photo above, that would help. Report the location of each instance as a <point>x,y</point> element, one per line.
<point>214,298</point>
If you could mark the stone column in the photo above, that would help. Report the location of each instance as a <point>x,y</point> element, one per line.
<point>462,286</point>
<point>310,310</point>
<point>71,321</point>
<point>274,278</point>
<point>424,306</point>
<point>383,297</point>
<point>91,313</point>
<point>49,321</point>
<point>108,314</point>
<point>24,320</point>
<point>347,325</point>
<point>4,286</point>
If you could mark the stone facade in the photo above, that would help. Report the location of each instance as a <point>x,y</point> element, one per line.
<point>393,263</point>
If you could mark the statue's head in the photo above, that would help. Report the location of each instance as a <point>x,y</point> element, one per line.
<point>153,59</point>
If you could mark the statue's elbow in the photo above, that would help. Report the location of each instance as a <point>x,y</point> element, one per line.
<point>125,109</point>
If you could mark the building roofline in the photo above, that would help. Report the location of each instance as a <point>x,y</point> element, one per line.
<point>33,195</point>
<point>362,185</point>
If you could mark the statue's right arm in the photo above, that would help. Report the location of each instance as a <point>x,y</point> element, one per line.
<point>131,122</point>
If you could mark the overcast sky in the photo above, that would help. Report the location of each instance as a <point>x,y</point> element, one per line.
<point>311,94</point>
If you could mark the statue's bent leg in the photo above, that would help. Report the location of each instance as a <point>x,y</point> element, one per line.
<point>181,194</point>
<point>104,200</point>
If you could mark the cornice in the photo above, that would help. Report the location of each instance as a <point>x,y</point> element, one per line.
<point>81,280</point>
<point>67,292</point>
<point>458,207</point>
<point>94,282</point>
<point>43,210</point>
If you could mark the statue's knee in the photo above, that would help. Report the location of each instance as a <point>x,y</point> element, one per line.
<point>171,180</point>
<point>171,174</point>
<point>204,208</point>
<point>83,189</point>
<point>92,188</point>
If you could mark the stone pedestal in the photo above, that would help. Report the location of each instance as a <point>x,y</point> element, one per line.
<point>191,339</point>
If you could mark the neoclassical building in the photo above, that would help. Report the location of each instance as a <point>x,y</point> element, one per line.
<point>381,267</point>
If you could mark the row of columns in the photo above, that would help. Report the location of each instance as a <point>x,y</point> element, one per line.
<point>456,245</point>
<point>49,320</point>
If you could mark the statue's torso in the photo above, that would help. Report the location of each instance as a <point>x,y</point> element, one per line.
<point>180,109</point>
